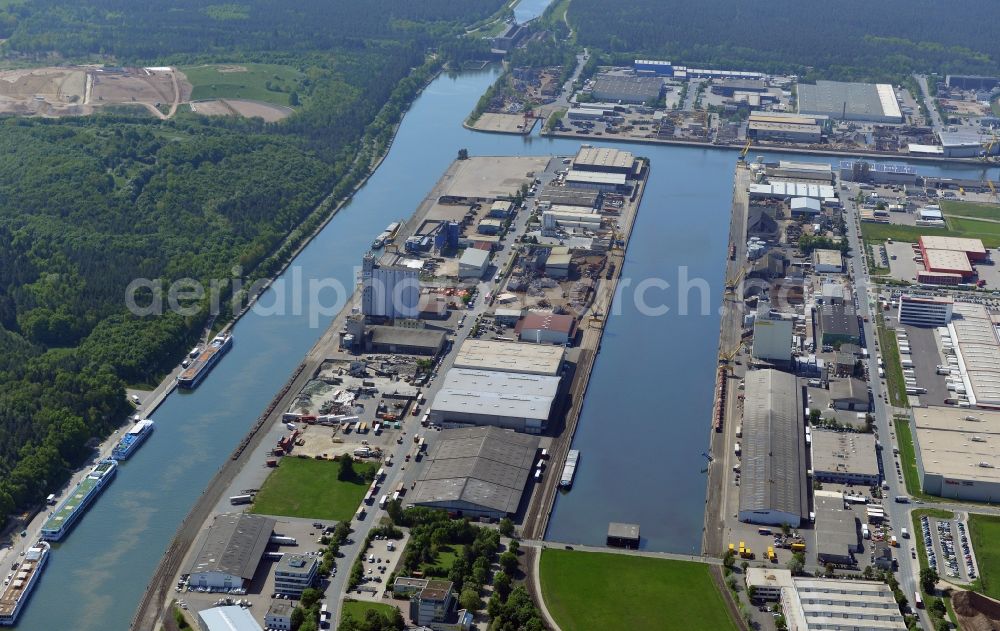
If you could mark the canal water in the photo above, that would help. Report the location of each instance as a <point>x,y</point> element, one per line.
<point>645,418</point>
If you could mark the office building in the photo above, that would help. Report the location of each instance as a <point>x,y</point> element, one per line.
<point>508,400</point>
<point>389,291</point>
<point>844,458</point>
<point>279,616</point>
<point>231,551</point>
<point>768,582</point>
<point>866,102</point>
<point>477,471</point>
<point>773,486</point>
<point>925,311</point>
<point>294,573</point>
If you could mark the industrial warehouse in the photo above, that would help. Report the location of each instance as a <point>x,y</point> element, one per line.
<point>518,401</point>
<point>529,359</point>
<point>844,458</point>
<point>850,101</point>
<point>478,471</point>
<point>773,487</point>
<point>957,452</point>
<point>231,551</point>
<point>977,347</point>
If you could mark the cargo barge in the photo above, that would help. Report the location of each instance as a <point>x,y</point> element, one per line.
<point>132,439</point>
<point>18,590</point>
<point>570,469</point>
<point>63,518</point>
<point>388,235</point>
<point>203,363</point>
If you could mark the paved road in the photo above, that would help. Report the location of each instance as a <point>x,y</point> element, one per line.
<point>556,545</point>
<point>929,102</point>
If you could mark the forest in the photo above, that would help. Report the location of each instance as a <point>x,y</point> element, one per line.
<point>854,39</point>
<point>89,204</point>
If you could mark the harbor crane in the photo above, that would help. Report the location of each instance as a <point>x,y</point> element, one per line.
<point>988,146</point>
<point>745,151</point>
<point>731,283</point>
<point>726,358</point>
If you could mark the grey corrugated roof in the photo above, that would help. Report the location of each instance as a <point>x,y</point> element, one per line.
<point>234,545</point>
<point>483,466</point>
<point>773,451</point>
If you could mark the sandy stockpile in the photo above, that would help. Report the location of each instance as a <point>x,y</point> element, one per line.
<point>241,107</point>
<point>43,91</point>
<point>976,612</point>
<point>137,85</point>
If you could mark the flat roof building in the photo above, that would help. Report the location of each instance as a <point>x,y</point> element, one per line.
<point>958,452</point>
<point>627,89</point>
<point>479,471</point>
<point>768,582</point>
<point>517,401</point>
<point>837,538</point>
<point>844,458</point>
<point>850,101</point>
<point>473,263</point>
<point>838,324</point>
<point>822,604</point>
<point>530,359</point>
<point>948,262</point>
<point>596,180</point>
<point>828,261</point>
<point>977,346</point>
<point>972,248</point>
<point>773,485</point>
<point>405,341</point>
<point>227,618</point>
<point>231,551</point>
<point>294,573</point>
<point>623,535</point>
<point>604,159</point>
<point>784,132</point>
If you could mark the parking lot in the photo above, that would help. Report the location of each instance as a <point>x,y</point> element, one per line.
<point>948,548</point>
<point>379,562</point>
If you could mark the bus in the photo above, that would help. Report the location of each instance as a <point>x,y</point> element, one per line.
<point>383,501</point>
<point>370,497</point>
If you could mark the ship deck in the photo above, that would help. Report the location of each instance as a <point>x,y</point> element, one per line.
<point>13,592</point>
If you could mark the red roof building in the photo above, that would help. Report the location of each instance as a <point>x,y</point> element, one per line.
<point>543,327</point>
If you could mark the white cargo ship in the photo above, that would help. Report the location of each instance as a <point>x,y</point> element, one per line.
<point>17,591</point>
<point>570,469</point>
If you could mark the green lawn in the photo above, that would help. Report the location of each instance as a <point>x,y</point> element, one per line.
<point>214,82</point>
<point>908,458</point>
<point>592,590</point>
<point>893,369</point>
<point>303,487</point>
<point>989,232</point>
<point>970,209</point>
<point>357,608</point>
<point>985,533</point>
<point>446,557</point>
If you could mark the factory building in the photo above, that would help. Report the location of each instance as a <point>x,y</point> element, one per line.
<point>925,310</point>
<point>530,359</point>
<point>662,68</point>
<point>558,263</point>
<point>546,328</point>
<point>404,341</point>
<point>957,452</point>
<point>967,144</point>
<point>227,618</point>
<point>772,336</point>
<point>844,458</point>
<point>294,573</point>
<point>821,604</point>
<point>564,217</point>
<point>804,207</point>
<point>766,131</point>
<point>788,190</point>
<point>596,180</point>
<point>389,291</point>
<point>517,401</point>
<point>627,89</point>
<point>828,261</point>
<point>838,324</point>
<point>837,536</point>
<point>877,173</point>
<point>478,471</point>
<point>729,87</point>
<point>972,248</point>
<point>873,103</point>
<point>231,551</point>
<point>562,196</point>
<point>473,263</point>
<point>773,487</point>
<point>849,394</point>
<point>605,160</point>
<point>977,346</point>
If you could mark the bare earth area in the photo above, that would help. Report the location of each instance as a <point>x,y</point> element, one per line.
<point>44,92</point>
<point>241,107</point>
<point>504,123</point>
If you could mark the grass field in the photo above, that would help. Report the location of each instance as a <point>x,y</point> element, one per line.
<point>970,209</point>
<point>357,608</point>
<point>908,457</point>
<point>303,487</point>
<point>985,533</point>
<point>242,81</point>
<point>442,563</point>
<point>893,369</point>
<point>988,231</point>
<point>589,590</point>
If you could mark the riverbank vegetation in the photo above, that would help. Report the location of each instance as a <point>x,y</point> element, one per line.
<point>92,203</point>
<point>647,592</point>
<point>865,41</point>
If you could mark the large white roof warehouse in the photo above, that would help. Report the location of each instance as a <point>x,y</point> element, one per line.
<point>773,484</point>
<point>958,452</point>
<point>531,359</point>
<point>510,400</point>
<point>978,349</point>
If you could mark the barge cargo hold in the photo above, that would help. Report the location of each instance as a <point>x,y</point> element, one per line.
<point>570,469</point>
<point>388,235</point>
<point>203,363</point>
<point>17,592</point>
<point>63,518</point>
<point>132,439</point>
